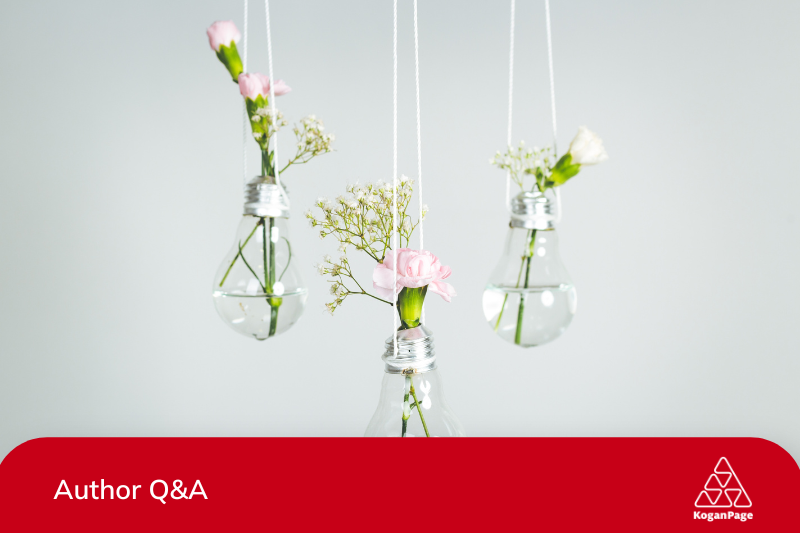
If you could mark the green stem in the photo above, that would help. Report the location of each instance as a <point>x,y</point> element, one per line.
<point>521,266</point>
<point>350,275</point>
<point>419,410</point>
<point>272,266</point>
<point>239,253</point>
<point>267,283</point>
<point>296,162</point>
<point>373,296</point>
<point>269,275</point>
<point>405,420</point>
<point>527,260</point>
<point>273,319</point>
<point>505,298</point>
<point>502,310</point>
<point>266,163</point>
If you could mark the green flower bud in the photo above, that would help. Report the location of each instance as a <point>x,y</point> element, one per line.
<point>409,306</point>
<point>229,56</point>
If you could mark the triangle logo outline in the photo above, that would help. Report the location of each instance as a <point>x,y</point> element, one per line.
<point>714,485</point>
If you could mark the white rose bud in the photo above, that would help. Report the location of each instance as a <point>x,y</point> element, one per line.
<point>587,148</point>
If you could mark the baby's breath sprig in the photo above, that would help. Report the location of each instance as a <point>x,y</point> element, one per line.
<point>263,127</point>
<point>522,161</point>
<point>311,141</point>
<point>362,219</point>
<point>340,271</point>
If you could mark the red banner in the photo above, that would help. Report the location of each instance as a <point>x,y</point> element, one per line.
<point>611,484</point>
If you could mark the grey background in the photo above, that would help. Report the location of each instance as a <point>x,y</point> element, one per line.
<point>120,154</point>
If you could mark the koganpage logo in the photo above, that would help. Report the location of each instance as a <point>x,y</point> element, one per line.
<point>723,490</point>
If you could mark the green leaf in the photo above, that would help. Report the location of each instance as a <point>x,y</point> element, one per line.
<point>229,56</point>
<point>565,160</point>
<point>563,171</point>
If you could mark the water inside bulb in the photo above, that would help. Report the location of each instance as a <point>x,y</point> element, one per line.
<point>258,290</point>
<point>530,299</point>
<point>252,315</point>
<point>547,311</point>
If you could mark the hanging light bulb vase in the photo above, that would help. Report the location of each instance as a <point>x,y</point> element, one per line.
<point>412,401</point>
<point>258,291</point>
<point>530,299</point>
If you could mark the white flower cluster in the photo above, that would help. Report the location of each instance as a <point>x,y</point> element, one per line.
<point>264,115</point>
<point>337,270</point>
<point>522,161</point>
<point>263,126</point>
<point>363,219</point>
<point>311,141</point>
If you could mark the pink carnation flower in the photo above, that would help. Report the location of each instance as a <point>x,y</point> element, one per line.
<point>253,85</point>
<point>279,88</point>
<point>414,269</point>
<point>222,33</point>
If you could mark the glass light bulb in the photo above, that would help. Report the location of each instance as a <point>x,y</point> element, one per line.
<point>258,290</point>
<point>402,410</point>
<point>412,403</point>
<point>529,299</point>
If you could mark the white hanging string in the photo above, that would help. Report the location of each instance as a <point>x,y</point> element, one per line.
<point>272,96</point>
<point>552,102</point>
<point>419,129</point>
<point>394,182</point>
<point>510,99</point>
<point>245,119</point>
<point>419,139</point>
<point>556,190</point>
<point>552,82</point>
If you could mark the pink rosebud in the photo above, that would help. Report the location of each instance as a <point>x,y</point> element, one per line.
<point>221,33</point>
<point>253,85</point>
<point>414,269</point>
